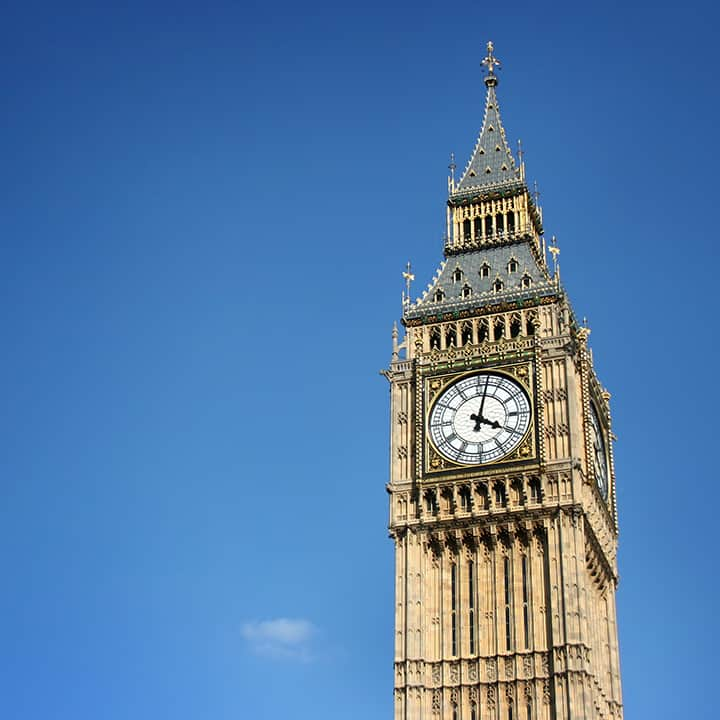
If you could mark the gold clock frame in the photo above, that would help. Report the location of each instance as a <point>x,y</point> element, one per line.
<point>431,461</point>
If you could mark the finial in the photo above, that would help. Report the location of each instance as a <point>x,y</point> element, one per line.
<point>409,277</point>
<point>451,168</point>
<point>395,347</point>
<point>521,159</point>
<point>490,62</point>
<point>536,193</point>
<point>554,250</point>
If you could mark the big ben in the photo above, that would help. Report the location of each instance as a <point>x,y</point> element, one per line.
<point>502,484</point>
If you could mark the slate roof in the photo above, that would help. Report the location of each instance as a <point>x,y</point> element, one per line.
<point>491,164</point>
<point>482,291</point>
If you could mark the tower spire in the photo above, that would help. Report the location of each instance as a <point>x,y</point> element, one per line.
<point>492,163</point>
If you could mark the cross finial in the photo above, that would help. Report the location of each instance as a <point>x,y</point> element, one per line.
<point>490,62</point>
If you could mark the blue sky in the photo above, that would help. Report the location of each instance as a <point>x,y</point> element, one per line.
<point>205,213</point>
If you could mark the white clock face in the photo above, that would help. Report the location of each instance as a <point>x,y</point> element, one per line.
<point>479,419</point>
<point>599,458</point>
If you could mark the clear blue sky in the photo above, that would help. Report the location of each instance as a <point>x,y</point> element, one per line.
<point>205,211</point>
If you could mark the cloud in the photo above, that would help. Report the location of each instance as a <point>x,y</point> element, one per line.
<point>280,638</point>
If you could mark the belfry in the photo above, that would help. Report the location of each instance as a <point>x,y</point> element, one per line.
<point>502,484</point>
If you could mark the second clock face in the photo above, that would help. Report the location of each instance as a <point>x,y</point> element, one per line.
<point>479,419</point>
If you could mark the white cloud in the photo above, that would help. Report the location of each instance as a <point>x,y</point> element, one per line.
<point>280,638</point>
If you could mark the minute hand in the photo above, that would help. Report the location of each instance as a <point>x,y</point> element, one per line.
<point>482,400</point>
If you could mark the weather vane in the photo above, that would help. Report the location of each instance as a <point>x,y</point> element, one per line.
<point>491,61</point>
<point>409,277</point>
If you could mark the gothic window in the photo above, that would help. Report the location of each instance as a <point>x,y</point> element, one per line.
<point>531,324</point>
<point>498,329</point>
<point>488,225</point>
<point>498,285</point>
<point>467,333</point>
<point>482,496</point>
<point>473,711</point>
<point>465,498</point>
<point>466,229</point>
<point>517,493</point>
<point>453,609</point>
<point>478,227</point>
<point>484,270</point>
<point>457,275</point>
<point>435,338</point>
<point>431,505</point>
<point>447,501</point>
<point>535,495</point>
<point>500,495</point>
<point>515,326</point>
<point>483,331</point>
<point>512,265</point>
<point>450,336</point>
<point>439,295</point>
<point>507,582</point>
<point>528,709</point>
<point>466,291</point>
<point>526,281</point>
<point>471,605</point>
<point>525,597</point>
<point>499,223</point>
<point>511,221</point>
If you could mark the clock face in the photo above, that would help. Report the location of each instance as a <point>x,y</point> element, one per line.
<point>479,419</point>
<point>599,455</point>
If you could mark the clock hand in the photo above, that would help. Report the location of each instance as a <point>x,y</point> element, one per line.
<point>479,419</point>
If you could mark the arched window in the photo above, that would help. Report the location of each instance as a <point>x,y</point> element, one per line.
<point>439,295</point>
<point>435,338</point>
<point>467,334</point>
<point>531,324</point>
<point>499,223</point>
<point>466,230</point>
<point>485,270</point>
<point>431,505</point>
<point>516,489</point>
<point>483,331</point>
<point>447,501</point>
<point>498,329</point>
<point>481,494</point>
<point>457,275</point>
<point>450,336</point>
<point>526,281</point>
<point>510,222</point>
<point>535,491</point>
<point>478,223</point>
<point>512,265</point>
<point>500,495</point>
<point>515,326</point>
<point>498,285</point>
<point>465,498</point>
<point>466,291</point>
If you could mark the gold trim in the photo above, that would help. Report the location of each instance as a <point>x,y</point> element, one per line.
<point>433,385</point>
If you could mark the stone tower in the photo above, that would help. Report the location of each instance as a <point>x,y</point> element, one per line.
<point>502,486</point>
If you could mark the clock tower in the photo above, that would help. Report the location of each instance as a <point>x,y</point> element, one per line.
<point>502,486</point>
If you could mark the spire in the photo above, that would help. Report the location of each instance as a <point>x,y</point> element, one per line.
<point>492,162</point>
